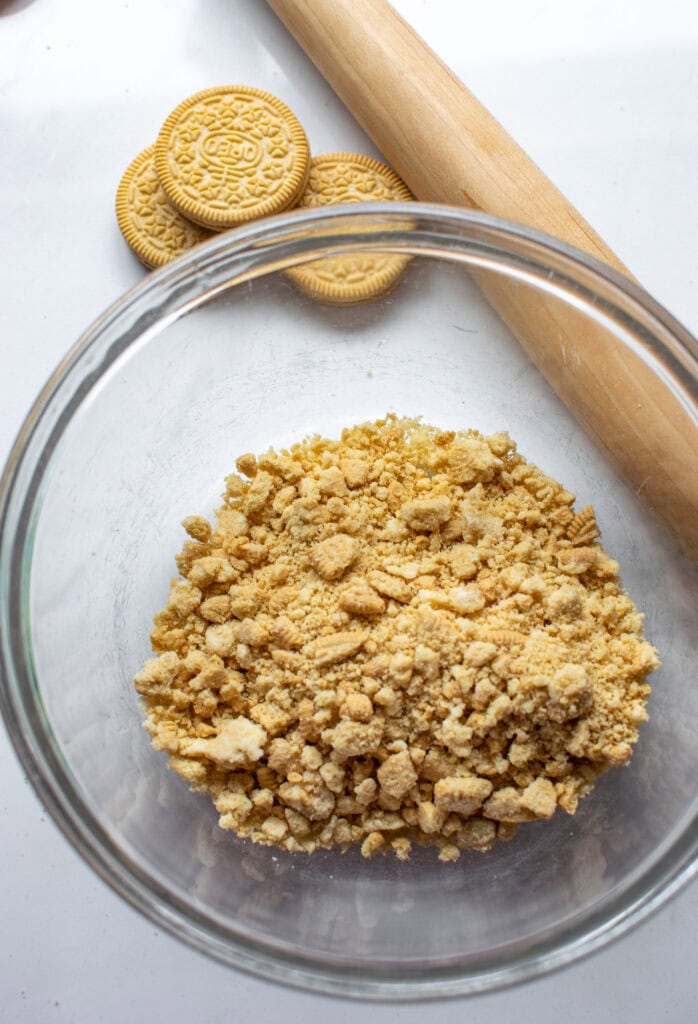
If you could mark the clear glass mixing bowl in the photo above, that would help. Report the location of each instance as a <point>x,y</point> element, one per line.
<point>218,354</point>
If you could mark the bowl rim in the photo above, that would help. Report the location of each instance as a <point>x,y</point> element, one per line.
<point>177,288</point>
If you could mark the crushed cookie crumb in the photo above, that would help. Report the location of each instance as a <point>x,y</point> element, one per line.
<point>402,636</point>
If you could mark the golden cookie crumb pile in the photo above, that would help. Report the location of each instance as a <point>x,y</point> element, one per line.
<point>405,635</point>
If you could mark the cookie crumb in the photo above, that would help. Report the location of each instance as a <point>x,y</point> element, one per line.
<point>403,636</point>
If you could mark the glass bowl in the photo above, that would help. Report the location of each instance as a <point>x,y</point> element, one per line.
<point>218,354</point>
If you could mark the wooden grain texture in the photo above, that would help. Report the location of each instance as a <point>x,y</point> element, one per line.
<point>449,149</point>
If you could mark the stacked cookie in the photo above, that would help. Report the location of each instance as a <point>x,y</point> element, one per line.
<point>229,155</point>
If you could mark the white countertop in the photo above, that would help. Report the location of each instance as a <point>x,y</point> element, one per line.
<point>602,94</point>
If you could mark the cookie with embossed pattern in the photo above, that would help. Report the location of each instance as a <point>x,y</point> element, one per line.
<point>230,154</point>
<point>155,231</point>
<point>350,178</point>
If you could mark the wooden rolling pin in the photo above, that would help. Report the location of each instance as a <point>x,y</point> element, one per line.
<point>449,149</point>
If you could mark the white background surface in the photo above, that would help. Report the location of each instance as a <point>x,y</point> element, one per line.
<point>602,94</point>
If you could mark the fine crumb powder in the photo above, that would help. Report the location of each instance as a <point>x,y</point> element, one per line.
<point>407,635</point>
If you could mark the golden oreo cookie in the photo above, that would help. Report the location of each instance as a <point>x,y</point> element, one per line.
<point>154,230</point>
<point>350,178</point>
<point>231,154</point>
